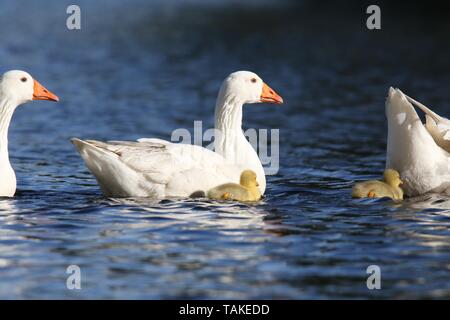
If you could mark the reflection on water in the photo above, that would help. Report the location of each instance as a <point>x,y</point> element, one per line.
<point>159,69</point>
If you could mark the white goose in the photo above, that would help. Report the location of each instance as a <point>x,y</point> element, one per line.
<point>159,168</point>
<point>16,88</point>
<point>421,153</point>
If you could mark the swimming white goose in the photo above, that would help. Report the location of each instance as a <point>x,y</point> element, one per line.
<point>419,152</point>
<point>16,88</point>
<point>159,168</point>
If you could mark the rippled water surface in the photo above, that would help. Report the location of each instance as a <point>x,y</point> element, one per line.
<point>142,69</point>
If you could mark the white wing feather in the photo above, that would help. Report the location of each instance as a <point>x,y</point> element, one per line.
<point>437,126</point>
<point>166,169</point>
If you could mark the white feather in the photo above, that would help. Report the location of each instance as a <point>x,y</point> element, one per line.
<point>412,150</point>
<point>158,168</point>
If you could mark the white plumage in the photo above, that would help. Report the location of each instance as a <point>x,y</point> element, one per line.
<point>419,152</point>
<point>16,88</point>
<point>159,168</point>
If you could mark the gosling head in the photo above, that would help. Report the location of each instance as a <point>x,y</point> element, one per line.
<point>248,179</point>
<point>392,178</point>
<point>20,87</point>
<point>248,87</point>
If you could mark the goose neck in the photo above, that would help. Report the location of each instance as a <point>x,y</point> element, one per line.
<point>228,114</point>
<point>228,123</point>
<point>6,111</point>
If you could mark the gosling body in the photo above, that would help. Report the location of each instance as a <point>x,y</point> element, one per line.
<point>389,187</point>
<point>247,189</point>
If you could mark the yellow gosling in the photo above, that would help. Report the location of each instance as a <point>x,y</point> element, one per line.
<point>389,187</point>
<point>246,190</point>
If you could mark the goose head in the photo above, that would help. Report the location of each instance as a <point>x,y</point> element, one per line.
<point>19,87</point>
<point>248,87</point>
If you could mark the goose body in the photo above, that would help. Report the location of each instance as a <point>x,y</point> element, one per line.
<point>159,168</point>
<point>16,88</point>
<point>418,152</point>
<point>246,190</point>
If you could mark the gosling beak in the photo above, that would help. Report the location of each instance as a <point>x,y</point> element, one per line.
<point>401,181</point>
<point>40,93</point>
<point>269,95</point>
<point>257,184</point>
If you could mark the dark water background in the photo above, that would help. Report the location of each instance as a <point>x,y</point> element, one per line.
<point>142,69</point>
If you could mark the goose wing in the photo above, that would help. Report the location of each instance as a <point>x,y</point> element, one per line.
<point>162,167</point>
<point>437,126</point>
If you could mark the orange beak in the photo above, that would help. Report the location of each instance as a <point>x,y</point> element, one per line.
<point>40,93</point>
<point>269,95</point>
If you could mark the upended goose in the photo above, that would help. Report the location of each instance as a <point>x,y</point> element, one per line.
<point>421,153</point>
<point>16,88</point>
<point>159,168</point>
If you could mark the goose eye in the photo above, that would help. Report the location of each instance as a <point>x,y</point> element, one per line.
<point>24,79</point>
<point>253,80</point>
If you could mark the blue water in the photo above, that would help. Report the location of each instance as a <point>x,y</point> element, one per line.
<point>142,69</point>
